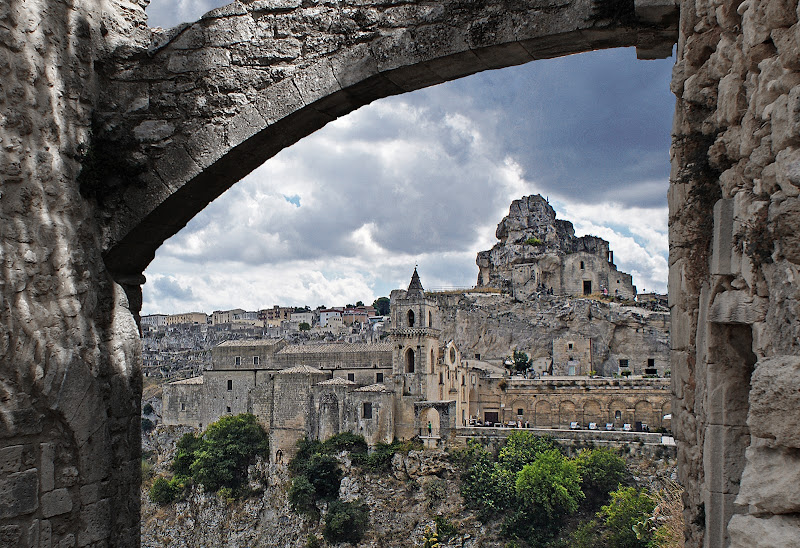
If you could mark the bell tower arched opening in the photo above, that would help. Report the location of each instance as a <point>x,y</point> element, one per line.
<point>409,360</point>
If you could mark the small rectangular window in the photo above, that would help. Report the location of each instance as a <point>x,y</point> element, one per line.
<point>520,412</point>
<point>570,346</point>
<point>228,409</point>
<point>230,384</point>
<point>237,360</point>
<point>623,363</point>
<point>255,360</point>
<point>183,407</point>
<point>651,362</point>
<point>366,412</point>
<point>441,380</point>
<point>378,377</point>
<point>351,377</point>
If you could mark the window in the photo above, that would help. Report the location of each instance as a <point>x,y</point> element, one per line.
<point>582,267</point>
<point>651,362</point>
<point>183,407</point>
<point>409,361</point>
<point>228,409</point>
<point>520,412</point>
<point>378,377</point>
<point>441,381</point>
<point>366,410</point>
<point>430,319</point>
<point>570,347</point>
<point>255,360</point>
<point>623,363</point>
<point>230,384</point>
<point>351,377</point>
<point>237,360</point>
<point>618,415</point>
<point>410,318</point>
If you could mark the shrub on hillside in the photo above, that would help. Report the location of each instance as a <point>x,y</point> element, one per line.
<point>624,515</point>
<point>346,521</point>
<point>601,471</point>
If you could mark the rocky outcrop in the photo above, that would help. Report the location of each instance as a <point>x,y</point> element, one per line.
<point>538,252</point>
<point>493,325</point>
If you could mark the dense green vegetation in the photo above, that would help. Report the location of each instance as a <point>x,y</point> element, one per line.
<point>218,459</point>
<point>544,499</point>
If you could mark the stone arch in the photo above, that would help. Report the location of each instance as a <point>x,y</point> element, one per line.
<point>328,416</point>
<point>666,409</point>
<point>567,413</point>
<point>592,412</point>
<point>543,414</point>
<point>618,413</point>
<point>409,360</point>
<point>430,416</point>
<point>515,407</point>
<point>643,412</point>
<point>186,154</point>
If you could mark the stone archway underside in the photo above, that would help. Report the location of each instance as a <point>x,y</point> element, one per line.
<point>211,101</point>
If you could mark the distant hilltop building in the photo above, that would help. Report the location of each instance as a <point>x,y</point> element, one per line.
<point>538,252</point>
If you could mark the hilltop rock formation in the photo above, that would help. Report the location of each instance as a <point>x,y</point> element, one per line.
<point>538,252</point>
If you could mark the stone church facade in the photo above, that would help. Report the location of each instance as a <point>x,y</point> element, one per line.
<point>396,389</point>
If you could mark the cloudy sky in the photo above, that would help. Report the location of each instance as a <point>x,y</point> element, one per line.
<point>424,178</point>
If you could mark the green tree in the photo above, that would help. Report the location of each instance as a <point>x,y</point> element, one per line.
<point>520,361</point>
<point>147,425</point>
<point>302,496</point>
<point>185,454</point>
<point>550,485</point>
<point>304,326</point>
<point>522,448</point>
<point>346,521</point>
<point>602,471</point>
<point>228,447</point>
<point>359,303</point>
<point>629,508</point>
<point>324,474</point>
<point>147,409</point>
<point>382,306</point>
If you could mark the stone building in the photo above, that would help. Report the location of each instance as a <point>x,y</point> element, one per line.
<point>538,252</point>
<point>416,384</point>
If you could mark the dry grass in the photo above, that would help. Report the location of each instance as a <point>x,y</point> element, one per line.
<point>669,516</point>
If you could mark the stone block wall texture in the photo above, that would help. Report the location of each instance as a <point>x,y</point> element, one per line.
<point>70,357</point>
<point>162,127</point>
<point>734,263</point>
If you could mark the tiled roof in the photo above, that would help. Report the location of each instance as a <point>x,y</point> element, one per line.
<point>299,369</point>
<point>251,342</point>
<point>336,381</point>
<point>335,348</point>
<point>377,387</point>
<point>193,380</point>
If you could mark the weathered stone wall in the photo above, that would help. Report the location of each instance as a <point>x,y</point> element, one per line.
<point>734,265</point>
<point>69,351</point>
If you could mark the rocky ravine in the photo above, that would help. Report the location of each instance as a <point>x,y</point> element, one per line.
<point>421,486</point>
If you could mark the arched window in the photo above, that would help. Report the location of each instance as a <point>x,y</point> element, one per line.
<point>410,318</point>
<point>430,319</point>
<point>432,360</point>
<point>409,361</point>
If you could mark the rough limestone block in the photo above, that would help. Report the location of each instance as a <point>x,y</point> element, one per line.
<point>775,400</point>
<point>95,519</point>
<point>19,493</point>
<point>46,467</point>
<point>738,307</point>
<point>723,462</point>
<point>11,459</point>
<point>773,532</point>
<point>56,503</point>
<point>770,480</point>
<point>723,237</point>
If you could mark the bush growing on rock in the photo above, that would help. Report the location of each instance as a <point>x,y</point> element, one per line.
<point>601,471</point>
<point>346,521</point>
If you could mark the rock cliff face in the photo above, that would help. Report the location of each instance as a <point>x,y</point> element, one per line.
<point>538,252</point>
<point>492,325</point>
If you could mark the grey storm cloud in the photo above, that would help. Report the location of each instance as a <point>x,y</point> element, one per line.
<point>167,288</point>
